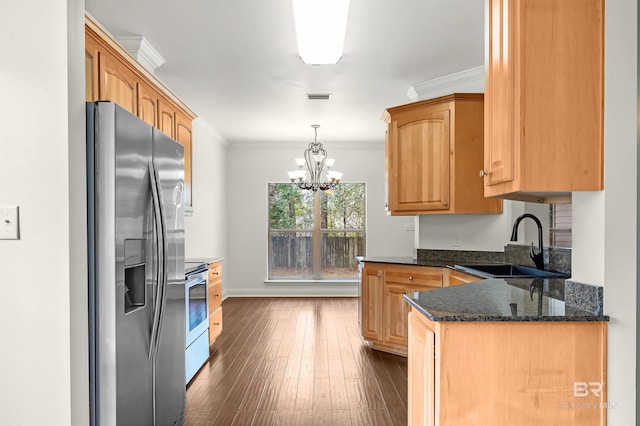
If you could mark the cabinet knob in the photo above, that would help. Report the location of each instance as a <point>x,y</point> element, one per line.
<point>444,203</point>
<point>379,274</point>
<point>217,295</point>
<point>483,173</point>
<point>410,277</point>
<point>216,323</point>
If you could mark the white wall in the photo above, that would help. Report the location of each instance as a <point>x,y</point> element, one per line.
<point>252,166</point>
<point>43,324</point>
<point>472,231</point>
<point>206,229</point>
<point>605,223</point>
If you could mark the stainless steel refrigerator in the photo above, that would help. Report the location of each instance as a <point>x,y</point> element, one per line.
<point>137,320</point>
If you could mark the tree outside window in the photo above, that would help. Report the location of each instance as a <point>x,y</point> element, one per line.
<point>316,236</point>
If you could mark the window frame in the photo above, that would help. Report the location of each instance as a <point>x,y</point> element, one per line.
<point>555,230</point>
<point>317,233</point>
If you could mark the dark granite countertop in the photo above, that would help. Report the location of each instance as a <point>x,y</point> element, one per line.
<point>192,265</point>
<point>207,260</point>
<point>409,261</point>
<point>500,300</point>
<point>427,262</point>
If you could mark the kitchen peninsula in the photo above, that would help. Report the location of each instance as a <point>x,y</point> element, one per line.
<point>505,352</point>
<point>490,351</point>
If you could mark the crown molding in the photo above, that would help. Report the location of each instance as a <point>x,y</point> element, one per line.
<point>142,50</point>
<point>471,80</point>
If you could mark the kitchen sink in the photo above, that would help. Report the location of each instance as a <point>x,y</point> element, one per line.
<point>508,271</point>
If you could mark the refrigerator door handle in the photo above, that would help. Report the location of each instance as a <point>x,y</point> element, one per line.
<point>165,250</point>
<point>159,232</point>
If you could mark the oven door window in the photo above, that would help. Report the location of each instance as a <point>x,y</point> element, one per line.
<point>197,305</point>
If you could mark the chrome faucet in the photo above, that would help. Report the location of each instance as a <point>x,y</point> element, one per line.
<point>538,258</point>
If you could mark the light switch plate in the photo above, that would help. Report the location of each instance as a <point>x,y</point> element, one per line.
<point>9,227</point>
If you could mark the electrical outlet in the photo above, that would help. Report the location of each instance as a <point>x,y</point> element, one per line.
<point>457,241</point>
<point>9,223</point>
<point>409,227</point>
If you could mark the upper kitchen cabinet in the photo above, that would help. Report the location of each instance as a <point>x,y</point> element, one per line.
<point>112,74</point>
<point>544,99</point>
<point>184,136</point>
<point>433,151</point>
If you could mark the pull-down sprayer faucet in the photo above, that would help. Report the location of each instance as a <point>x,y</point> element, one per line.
<point>538,258</point>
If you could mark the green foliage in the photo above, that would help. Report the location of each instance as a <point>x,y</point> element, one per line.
<point>344,206</point>
<point>292,208</point>
<point>289,207</point>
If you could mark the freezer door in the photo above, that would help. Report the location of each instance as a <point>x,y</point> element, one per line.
<point>124,259</point>
<point>168,158</point>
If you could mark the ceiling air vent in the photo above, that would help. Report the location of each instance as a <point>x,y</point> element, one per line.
<point>318,96</point>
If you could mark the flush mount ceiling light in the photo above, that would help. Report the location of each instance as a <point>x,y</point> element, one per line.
<point>320,29</point>
<point>315,158</point>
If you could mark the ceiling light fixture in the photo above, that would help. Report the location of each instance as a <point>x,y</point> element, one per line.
<point>320,29</point>
<point>315,158</point>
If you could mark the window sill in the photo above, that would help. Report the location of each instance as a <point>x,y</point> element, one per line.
<point>299,282</point>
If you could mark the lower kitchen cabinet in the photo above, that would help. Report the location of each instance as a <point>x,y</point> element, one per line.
<point>215,301</point>
<point>384,312</point>
<point>421,373</point>
<point>506,373</point>
<point>371,299</point>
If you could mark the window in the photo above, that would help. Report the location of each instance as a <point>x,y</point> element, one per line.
<point>316,236</point>
<point>560,225</point>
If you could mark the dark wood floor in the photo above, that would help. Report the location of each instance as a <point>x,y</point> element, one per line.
<point>296,361</point>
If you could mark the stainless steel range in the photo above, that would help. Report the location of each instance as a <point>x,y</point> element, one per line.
<point>197,318</point>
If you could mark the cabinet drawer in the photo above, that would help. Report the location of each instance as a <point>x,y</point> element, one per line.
<point>215,296</point>
<point>215,273</point>
<point>215,325</point>
<point>427,277</point>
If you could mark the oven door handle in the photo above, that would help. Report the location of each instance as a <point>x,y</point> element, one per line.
<point>160,259</point>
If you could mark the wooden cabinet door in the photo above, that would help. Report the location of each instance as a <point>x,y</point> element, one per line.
<point>184,136</point>
<point>420,162</point>
<point>166,118</point>
<point>544,96</point>
<point>91,64</point>
<point>117,83</point>
<point>387,170</point>
<point>395,313</point>
<point>371,295</point>
<point>421,373</point>
<point>148,100</point>
<point>500,137</point>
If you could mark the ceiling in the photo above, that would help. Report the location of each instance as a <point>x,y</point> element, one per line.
<point>234,62</point>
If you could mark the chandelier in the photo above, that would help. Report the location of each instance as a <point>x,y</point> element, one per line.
<point>313,163</point>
